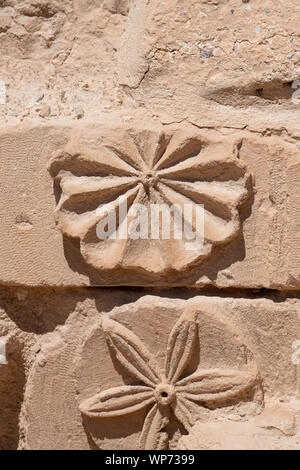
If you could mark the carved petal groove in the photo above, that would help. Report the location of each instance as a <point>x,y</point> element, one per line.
<point>180,346</point>
<point>71,184</point>
<point>78,225</point>
<point>217,385</point>
<point>182,413</point>
<point>118,401</point>
<point>153,436</point>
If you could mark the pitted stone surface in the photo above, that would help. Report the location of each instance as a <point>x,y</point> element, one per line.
<point>173,102</point>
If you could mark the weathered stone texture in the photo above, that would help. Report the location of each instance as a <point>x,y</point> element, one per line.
<point>73,362</point>
<point>259,251</point>
<point>144,343</point>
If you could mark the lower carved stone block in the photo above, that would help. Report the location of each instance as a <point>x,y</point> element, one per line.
<point>145,373</point>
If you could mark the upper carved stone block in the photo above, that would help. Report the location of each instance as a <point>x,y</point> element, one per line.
<point>261,251</point>
<point>173,168</point>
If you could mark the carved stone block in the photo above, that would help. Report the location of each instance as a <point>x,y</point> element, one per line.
<point>141,374</point>
<point>49,225</point>
<point>173,169</point>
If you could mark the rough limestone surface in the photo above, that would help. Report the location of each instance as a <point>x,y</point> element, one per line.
<point>98,379</point>
<point>187,339</point>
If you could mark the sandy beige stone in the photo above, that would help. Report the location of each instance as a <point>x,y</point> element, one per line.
<point>278,418</point>
<point>218,49</point>
<point>168,101</point>
<point>235,436</point>
<point>250,224</point>
<point>83,402</point>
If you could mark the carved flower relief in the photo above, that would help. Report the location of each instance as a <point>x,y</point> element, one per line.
<point>169,392</point>
<point>149,167</point>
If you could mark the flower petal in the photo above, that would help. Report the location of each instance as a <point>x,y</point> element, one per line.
<point>72,185</point>
<point>214,161</point>
<point>131,352</point>
<point>182,413</point>
<point>134,163</point>
<point>153,436</point>
<point>217,385</point>
<point>180,149</point>
<point>216,229</point>
<point>218,197</point>
<point>109,253</point>
<point>180,346</point>
<point>117,401</point>
<point>79,224</point>
<point>151,146</point>
<point>83,161</point>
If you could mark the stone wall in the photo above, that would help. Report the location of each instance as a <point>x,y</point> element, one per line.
<point>144,341</point>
